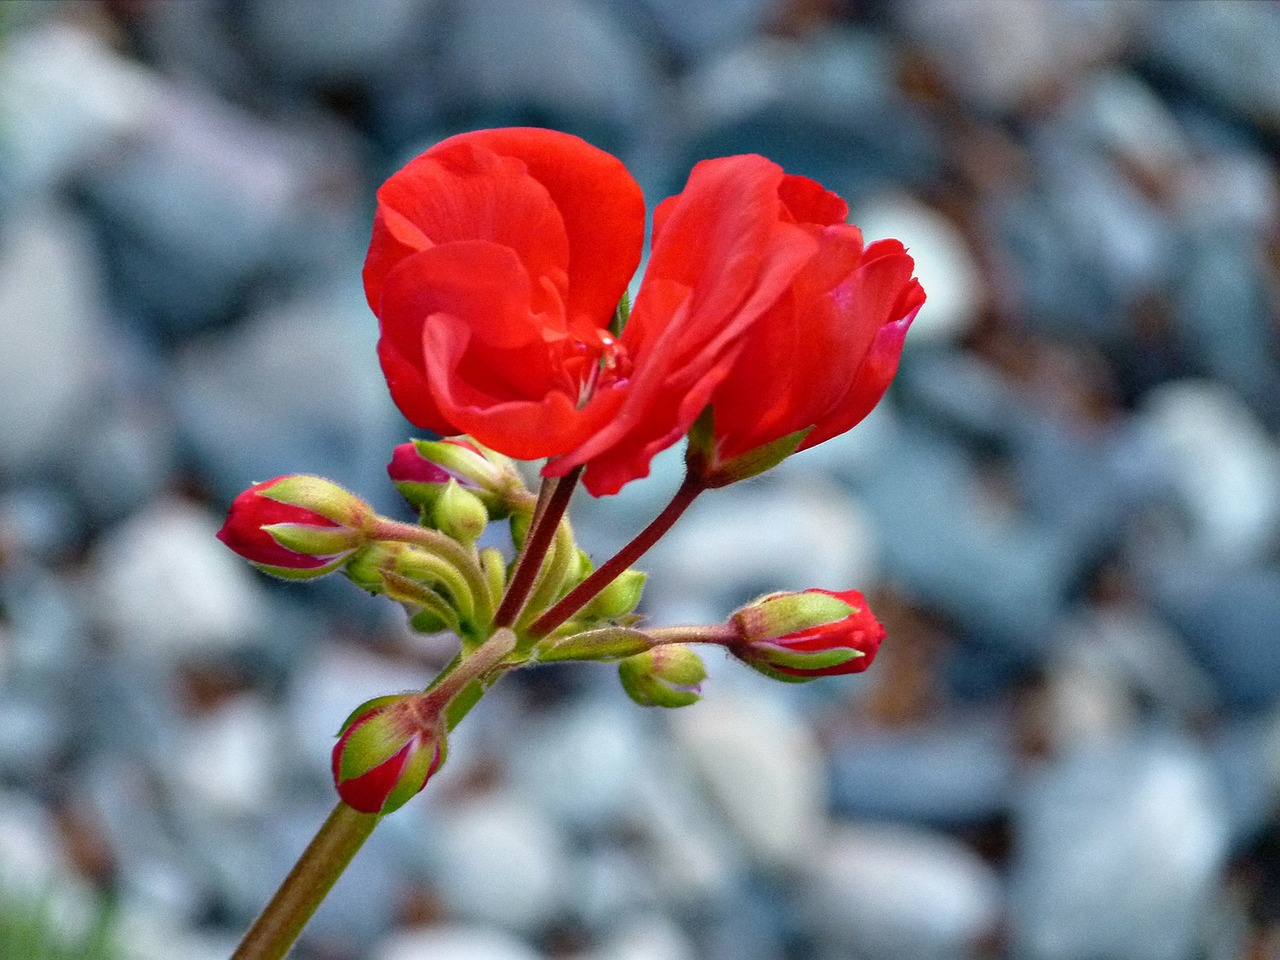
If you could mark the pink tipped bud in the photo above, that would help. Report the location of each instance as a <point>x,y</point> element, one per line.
<point>423,469</point>
<point>296,526</point>
<point>386,752</point>
<point>801,636</point>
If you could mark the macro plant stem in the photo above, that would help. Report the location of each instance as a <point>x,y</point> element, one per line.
<point>307,884</point>
<point>446,549</point>
<point>608,571</point>
<point>454,692</point>
<point>553,501</point>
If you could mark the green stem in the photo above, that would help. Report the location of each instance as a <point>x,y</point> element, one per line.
<point>576,598</point>
<point>553,500</point>
<point>721,634</point>
<point>455,692</point>
<point>311,878</point>
<point>445,548</point>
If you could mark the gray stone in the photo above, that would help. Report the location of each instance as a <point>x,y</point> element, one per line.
<point>726,551</point>
<point>1228,618</point>
<point>306,375</point>
<point>1118,851</point>
<point>1222,465</point>
<point>66,98</point>
<point>454,943</point>
<point>581,765</point>
<point>500,861</point>
<point>51,373</point>
<point>164,587</point>
<point>208,204</point>
<point>953,772</point>
<point>762,767</point>
<point>1224,51</point>
<point>694,30</point>
<point>999,56</point>
<point>883,892</point>
<point>227,764</point>
<point>606,81</point>
<point>337,40</point>
<point>646,937</point>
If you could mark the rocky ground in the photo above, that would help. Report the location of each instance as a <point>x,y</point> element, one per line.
<point>1066,513</point>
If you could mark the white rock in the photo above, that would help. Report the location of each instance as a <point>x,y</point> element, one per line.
<point>1119,849</point>
<point>998,54</point>
<point>1128,117</point>
<point>227,760</point>
<point>31,854</point>
<point>165,587</point>
<point>780,533</point>
<point>890,892</point>
<point>1222,465</point>
<point>649,937</point>
<point>454,943</point>
<point>582,765</point>
<point>945,264</point>
<point>765,771</point>
<point>50,323</point>
<point>64,94</point>
<point>500,862</point>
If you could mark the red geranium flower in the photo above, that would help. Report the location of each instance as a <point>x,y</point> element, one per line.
<point>498,258</point>
<point>823,356</point>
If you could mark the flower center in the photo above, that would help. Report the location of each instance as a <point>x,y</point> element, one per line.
<point>590,364</point>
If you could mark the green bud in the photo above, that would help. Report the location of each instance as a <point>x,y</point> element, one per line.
<point>667,676</point>
<point>459,513</point>
<point>618,599</point>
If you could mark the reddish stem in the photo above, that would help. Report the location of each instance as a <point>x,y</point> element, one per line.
<point>620,561</point>
<point>546,518</point>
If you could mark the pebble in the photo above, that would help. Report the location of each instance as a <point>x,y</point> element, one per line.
<point>55,325</point>
<point>500,861</point>
<point>164,587</point>
<point>454,943</point>
<point>887,892</point>
<point>1133,882</point>
<point>1222,465</point>
<point>763,769</point>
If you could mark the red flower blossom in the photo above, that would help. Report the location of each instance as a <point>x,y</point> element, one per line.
<point>497,261</point>
<point>824,354</point>
<point>498,258</point>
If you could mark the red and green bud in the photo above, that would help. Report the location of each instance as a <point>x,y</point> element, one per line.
<point>670,675</point>
<point>423,469</point>
<point>801,636</point>
<point>386,751</point>
<point>297,526</point>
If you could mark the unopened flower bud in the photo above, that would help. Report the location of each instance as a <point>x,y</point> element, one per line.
<point>800,636</point>
<point>297,527</point>
<point>386,751</point>
<point>618,599</point>
<point>423,469</point>
<point>670,675</point>
<point>459,513</point>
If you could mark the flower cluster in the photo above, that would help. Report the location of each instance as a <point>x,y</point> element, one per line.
<point>498,270</point>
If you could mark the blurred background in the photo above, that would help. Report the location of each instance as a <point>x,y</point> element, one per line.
<point>1066,512</point>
